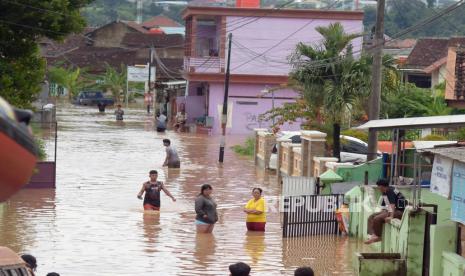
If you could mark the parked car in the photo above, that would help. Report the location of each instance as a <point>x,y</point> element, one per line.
<point>353,150</point>
<point>92,98</point>
<point>11,263</point>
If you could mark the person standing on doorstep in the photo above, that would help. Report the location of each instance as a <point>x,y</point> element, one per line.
<point>255,210</point>
<point>393,205</point>
<point>161,122</point>
<point>172,158</point>
<point>119,113</point>
<point>152,189</point>
<point>205,208</point>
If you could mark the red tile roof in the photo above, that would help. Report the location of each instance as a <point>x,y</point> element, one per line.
<point>400,44</point>
<point>135,26</point>
<point>160,21</point>
<point>426,52</point>
<point>86,57</point>
<point>158,40</point>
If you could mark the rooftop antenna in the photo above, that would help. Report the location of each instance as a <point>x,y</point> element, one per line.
<point>139,11</point>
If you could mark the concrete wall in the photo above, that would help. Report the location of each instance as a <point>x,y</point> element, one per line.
<point>265,33</point>
<point>287,158</point>
<point>357,173</point>
<point>450,75</point>
<point>110,35</point>
<point>406,236</point>
<point>297,160</point>
<point>246,107</point>
<point>264,143</point>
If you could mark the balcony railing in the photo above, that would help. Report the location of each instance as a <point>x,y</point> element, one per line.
<point>201,65</point>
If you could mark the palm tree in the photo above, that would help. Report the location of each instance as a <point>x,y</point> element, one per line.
<point>115,81</point>
<point>332,80</point>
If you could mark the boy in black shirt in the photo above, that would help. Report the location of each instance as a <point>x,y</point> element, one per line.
<point>393,203</point>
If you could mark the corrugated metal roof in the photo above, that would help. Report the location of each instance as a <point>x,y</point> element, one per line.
<point>415,122</point>
<point>174,30</point>
<point>431,144</point>
<point>455,153</point>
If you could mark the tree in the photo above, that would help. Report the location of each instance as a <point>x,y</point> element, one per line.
<point>69,78</point>
<point>329,80</point>
<point>115,81</point>
<point>22,23</point>
<point>401,14</point>
<point>20,79</point>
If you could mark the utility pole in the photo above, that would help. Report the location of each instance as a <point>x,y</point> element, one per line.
<point>139,9</point>
<point>224,117</point>
<point>375,95</point>
<point>150,75</point>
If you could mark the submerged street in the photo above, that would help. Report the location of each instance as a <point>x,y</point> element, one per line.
<point>93,224</point>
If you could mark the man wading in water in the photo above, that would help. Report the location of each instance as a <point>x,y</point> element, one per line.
<point>152,190</point>
<point>172,158</point>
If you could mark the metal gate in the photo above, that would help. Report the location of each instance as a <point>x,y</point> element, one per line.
<point>308,215</point>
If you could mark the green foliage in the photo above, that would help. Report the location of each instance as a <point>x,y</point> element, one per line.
<point>115,81</point>
<point>362,135</point>
<point>459,135</point>
<point>20,78</point>
<point>21,24</point>
<point>69,78</point>
<point>434,137</point>
<point>247,149</point>
<point>401,14</point>
<point>407,100</point>
<point>101,12</point>
<point>42,155</point>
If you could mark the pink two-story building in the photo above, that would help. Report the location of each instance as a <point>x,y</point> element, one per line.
<point>262,41</point>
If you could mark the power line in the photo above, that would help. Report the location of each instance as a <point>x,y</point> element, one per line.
<point>281,41</point>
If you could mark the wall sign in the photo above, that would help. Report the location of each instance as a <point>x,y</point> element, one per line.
<point>441,176</point>
<point>458,193</point>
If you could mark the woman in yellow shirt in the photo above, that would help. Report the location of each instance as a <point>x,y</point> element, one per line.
<point>255,210</point>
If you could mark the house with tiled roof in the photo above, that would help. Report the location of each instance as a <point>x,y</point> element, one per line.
<point>163,24</point>
<point>160,21</point>
<point>117,43</point>
<point>436,60</point>
<point>425,66</point>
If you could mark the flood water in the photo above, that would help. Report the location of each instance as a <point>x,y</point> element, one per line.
<point>93,224</point>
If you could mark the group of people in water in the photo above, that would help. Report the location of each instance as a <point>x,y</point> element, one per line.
<point>205,205</point>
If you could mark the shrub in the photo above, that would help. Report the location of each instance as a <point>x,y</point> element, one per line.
<point>433,137</point>
<point>459,135</point>
<point>247,149</point>
<point>41,154</point>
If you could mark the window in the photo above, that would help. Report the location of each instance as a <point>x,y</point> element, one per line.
<point>353,147</point>
<point>420,81</point>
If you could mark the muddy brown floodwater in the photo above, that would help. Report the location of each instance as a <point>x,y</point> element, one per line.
<point>93,224</point>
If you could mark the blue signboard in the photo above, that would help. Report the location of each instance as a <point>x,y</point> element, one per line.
<point>458,193</point>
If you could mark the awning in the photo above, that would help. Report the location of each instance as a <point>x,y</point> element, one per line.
<point>329,176</point>
<point>415,122</point>
<point>172,84</point>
